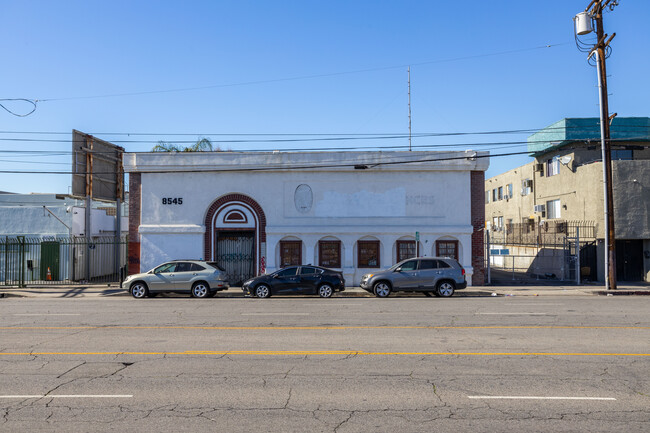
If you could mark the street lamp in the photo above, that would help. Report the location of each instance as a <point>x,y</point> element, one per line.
<point>583,26</point>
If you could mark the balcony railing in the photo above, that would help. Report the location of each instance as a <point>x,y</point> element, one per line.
<point>545,233</point>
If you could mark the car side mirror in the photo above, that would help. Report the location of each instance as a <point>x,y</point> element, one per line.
<point>398,269</point>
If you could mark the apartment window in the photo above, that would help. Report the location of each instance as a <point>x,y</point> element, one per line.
<point>494,194</point>
<point>290,253</point>
<point>528,224</point>
<point>487,197</point>
<point>368,254</point>
<point>500,193</point>
<point>553,209</point>
<point>553,166</point>
<point>406,249</point>
<point>497,223</point>
<point>329,254</point>
<point>526,186</point>
<point>447,249</point>
<point>509,190</point>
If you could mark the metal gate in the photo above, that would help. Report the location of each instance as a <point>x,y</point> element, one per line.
<point>236,254</point>
<point>510,264</point>
<point>543,254</point>
<point>61,260</point>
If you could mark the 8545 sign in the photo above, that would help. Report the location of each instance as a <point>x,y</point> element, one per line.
<point>174,200</point>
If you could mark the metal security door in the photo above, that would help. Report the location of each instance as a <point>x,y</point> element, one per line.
<point>629,260</point>
<point>236,254</point>
<point>50,261</point>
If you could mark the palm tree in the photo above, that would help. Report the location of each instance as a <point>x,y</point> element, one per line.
<point>203,145</point>
<point>163,146</point>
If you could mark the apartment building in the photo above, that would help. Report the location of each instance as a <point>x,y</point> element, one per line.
<point>563,187</point>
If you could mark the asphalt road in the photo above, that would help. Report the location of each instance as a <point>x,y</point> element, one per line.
<point>332,365</point>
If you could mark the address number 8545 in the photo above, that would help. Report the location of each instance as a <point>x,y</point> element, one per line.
<point>170,200</point>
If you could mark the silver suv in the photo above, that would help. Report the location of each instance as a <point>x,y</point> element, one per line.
<point>200,278</point>
<point>440,276</point>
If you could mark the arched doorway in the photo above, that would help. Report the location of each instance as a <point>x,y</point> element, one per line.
<point>235,237</point>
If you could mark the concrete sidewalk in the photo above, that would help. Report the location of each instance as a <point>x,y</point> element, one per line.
<point>104,290</point>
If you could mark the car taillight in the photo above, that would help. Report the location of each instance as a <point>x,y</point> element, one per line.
<point>462,270</point>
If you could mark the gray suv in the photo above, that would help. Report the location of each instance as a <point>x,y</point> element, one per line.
<point>200,278</point>
<point>440,276</point>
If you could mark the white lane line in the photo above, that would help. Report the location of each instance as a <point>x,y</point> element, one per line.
<point>47,314</point>
<point>69,396</point>
<point>512,314</point>
<point>536,305</point>
<point>333,304</point>
<point>275,314</point>
<point>525,397</point>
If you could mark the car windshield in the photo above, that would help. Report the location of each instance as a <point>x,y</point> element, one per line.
<point>286,272</point>
<point>406,264</point>
<point>167,267</point>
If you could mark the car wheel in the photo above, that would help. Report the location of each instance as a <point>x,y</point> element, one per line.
<point>325,291</point>
<point>262,291</point>
<point>139,290</point>
<point>200,290</point>
<point>445,289</point>
<point>382,289</point>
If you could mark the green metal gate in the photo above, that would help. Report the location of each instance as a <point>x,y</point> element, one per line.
<point>49,261</point>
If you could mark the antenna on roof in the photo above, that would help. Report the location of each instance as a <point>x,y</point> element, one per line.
<point>409,82</point>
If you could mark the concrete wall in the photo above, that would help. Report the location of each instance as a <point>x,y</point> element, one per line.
<point>631,188</point>
<point>535,262</point>
<point>646,259</point>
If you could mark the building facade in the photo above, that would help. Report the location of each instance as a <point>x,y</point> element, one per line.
<point>254,213</point>
<point>563,187</point>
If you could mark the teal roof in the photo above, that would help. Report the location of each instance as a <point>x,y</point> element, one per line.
<point>570,130</point>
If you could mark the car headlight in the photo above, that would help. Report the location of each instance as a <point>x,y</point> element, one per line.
<point>367,276</point>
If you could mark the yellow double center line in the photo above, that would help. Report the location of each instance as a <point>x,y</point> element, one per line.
<point>315,328</point>
<point>316,352</point>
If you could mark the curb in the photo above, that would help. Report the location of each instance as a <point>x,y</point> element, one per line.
<point>623,293</point>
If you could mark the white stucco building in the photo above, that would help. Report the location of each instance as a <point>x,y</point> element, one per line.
<point>39,215</point>
<point>352,211</point>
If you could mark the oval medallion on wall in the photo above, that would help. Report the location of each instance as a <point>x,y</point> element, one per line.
<point>303,198</point>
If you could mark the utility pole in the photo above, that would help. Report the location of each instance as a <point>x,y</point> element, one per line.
<point>89,203</point>
<point>594,12</point>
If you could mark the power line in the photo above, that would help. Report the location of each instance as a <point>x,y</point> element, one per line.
<point>302,77</point>
<point>278,167</point>
<point>29,101</point>
<point>619,126</point>
<point>432,146</point>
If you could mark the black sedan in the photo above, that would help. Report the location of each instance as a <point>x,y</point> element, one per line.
<point>296,280</point>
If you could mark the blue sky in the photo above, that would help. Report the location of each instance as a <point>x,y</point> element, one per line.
<point>300,67</point>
